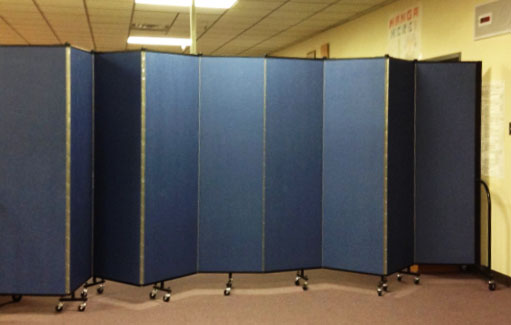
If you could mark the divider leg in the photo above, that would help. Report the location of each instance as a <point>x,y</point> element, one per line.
<point>228,286</point>
<point>300,276</point>
<point>72,297</point>
<point>382,286</point>
<point>416,279</point>
<point>161,286</point>
<point>95,282</point>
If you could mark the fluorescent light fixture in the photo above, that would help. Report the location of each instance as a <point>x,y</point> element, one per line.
<point>164,41</point>
<point>213,4</point>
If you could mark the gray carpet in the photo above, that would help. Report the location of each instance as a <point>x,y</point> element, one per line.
<point>333,298</point>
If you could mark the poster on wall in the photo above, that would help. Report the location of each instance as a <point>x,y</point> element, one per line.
<point>493,128</point>
<point>404,28</point>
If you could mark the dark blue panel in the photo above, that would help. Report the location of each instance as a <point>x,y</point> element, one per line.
<point>446,162</point>
<point>81,166</point>
<point>172,90</point>
<point>117,166</point>
<point>354,125</point>
<point>231,151</point>
<point>294,124</point>
<point>400,165</point>
<point>33,170</point>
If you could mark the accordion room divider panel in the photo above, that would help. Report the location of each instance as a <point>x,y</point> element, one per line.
<point>46,168</point>
<point>231,165</point>
<point>448,170</point>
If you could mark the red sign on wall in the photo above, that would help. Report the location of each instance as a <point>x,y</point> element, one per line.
<point>404,33</point>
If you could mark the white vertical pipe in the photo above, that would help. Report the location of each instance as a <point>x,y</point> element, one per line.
<point>193,28</point>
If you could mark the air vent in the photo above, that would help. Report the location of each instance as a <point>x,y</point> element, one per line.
<point>150,27</point>
<point>492,19</point>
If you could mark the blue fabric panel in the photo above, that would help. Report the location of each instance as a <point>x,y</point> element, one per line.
<point>446,162</point>
<point>294,124</point>
<point>117,166</point>
<point>354,125</point>
<point>400,231</point>
<point>231,151</point>
<point>81,167</point>
<point>172,91</point>
<point>33,170</point>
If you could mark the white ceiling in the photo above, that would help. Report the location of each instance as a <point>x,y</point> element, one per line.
<point>251,27</point>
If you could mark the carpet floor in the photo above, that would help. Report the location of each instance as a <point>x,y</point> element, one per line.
<point>333,298</point>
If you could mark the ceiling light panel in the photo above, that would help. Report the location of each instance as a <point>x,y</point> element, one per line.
<point>212,4</point>
<point>160,41</point>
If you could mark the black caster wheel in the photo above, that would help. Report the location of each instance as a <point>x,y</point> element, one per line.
<point>227,292</point>
<point>16,298</point>
<point>166,298</point>
<point>153,293</point>
<point>305,288</point>
<point>84,293</point>
<point>492,286</point>
<point>59,307</point>
<point>385,287</point>
<point>417,280</point>
<point>297,283</point>
<point>380,292</point>
<point>81,307</point>
<point>399,277</point>
<point>100,289</point>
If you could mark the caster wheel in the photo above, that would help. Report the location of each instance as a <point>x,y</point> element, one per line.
<point>380,292</point>
<point>399,277</point>
<point>297,283</point>
<point>305,288</point>
<point>166,298</point>
<point>385,287</point>
<point>81,307</point>
<point>227,292</point>
<point>84,293</point>
<point>100,289</point>
<point>153,293</point>
<point>417,280</point>
<point>59,307</point>
<point>16,298</point>
<point>492,286</point>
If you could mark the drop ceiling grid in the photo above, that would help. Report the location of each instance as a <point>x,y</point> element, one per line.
<point>251,27</point>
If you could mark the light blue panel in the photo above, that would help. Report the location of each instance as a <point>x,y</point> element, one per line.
<point>33,170</point>
<point>230,174</point>
<point>354,126</point>
<point>294,124</point>
<point>81,167</point>
<point>172,92</point>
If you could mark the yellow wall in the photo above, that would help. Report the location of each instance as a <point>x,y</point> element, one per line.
<point>447,27</point>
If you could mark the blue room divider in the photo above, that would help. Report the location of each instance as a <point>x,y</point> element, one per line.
<point>146,149</point>
<point>220,164</point>
<point>447,162</point>
<point>45,192</point>
<point>368,165</point>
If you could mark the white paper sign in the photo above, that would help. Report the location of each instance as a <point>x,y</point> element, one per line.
<point>493,129</point>
<point>405,33</point>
